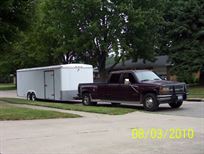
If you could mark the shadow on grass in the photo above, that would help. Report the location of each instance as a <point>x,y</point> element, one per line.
<point>140,107</point>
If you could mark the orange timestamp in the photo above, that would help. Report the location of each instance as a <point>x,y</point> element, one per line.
<point>158,133</point>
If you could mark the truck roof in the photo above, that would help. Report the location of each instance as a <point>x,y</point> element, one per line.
<point>56,67</point>
<point>128,71</point>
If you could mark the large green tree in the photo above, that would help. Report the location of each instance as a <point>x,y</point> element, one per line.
<point>183,36</point>
<point>15,18</point>
<point>91,30</point>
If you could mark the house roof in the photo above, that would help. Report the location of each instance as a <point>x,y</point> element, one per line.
<point>161,61</point>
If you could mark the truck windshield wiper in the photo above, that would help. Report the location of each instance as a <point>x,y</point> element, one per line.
<point>157,79</point>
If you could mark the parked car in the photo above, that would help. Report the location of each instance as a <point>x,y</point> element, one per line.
<point>134,87</point>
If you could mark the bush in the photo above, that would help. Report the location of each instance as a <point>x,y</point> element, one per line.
<point>187,77</point>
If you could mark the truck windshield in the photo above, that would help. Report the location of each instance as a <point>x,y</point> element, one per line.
<point>146,76</point>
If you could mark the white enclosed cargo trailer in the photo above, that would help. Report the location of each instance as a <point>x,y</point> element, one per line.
<point>58,82</point>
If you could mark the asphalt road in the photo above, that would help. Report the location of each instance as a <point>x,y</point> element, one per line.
<point>101,134</point>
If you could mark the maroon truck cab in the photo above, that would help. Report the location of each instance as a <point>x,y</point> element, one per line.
<point>134,87</point>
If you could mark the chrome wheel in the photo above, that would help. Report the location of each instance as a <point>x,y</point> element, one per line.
<point>86,100</point>
<point>149,102</point>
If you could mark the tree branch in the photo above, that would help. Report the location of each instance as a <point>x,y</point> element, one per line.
<point>116,62</point>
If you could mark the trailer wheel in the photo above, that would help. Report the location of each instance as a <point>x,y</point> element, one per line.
<point>33,96</point>
<point>86,99</point>
<point>28,96</point>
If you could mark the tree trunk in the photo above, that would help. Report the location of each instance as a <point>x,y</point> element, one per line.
<point>102,67</point>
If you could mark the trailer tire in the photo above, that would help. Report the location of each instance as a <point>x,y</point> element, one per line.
<point>28,96</point>
<point>33,97</point>
<point>86,99</point>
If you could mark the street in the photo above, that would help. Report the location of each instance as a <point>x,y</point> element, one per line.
<point>97,133</point>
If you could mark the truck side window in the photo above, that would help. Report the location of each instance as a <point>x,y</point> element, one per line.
<point>130,77</point>
<point>115,78</point>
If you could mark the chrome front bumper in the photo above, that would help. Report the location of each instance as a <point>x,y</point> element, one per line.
<point>170,98</point>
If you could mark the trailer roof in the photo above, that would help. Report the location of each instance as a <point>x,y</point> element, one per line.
<point>57,66</point>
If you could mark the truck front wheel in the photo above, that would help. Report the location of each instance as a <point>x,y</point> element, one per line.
<point>150,102</point>
<point>86,99</point>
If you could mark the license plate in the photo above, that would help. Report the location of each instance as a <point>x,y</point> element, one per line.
<point>180,97</point>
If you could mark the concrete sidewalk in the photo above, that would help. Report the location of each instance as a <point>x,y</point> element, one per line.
<point>195,99</point>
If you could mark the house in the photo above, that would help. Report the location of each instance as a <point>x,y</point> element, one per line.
<point>161,66</point>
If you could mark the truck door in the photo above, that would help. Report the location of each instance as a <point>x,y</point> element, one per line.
<point>113,87</point>
<point>129,92</point>
<point>49,84</point>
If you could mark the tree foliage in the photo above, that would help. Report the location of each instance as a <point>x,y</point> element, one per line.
<point>91,30</point>
<point>183,36</point>
<point>15,18</point>
<point>48,32</point>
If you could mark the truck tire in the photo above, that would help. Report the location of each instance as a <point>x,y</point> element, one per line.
<point>33,97</point>
<point>150,102</point>
<point>28,96</point>
<point>176,104</point>
<point>86,99</point>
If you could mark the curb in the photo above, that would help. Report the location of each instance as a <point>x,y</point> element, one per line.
<point>195,99</point>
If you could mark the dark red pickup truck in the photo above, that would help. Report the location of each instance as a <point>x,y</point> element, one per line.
<point>134,86</point>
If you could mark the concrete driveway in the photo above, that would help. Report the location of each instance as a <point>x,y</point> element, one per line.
<point>8,93</point>
<point>104,134</point>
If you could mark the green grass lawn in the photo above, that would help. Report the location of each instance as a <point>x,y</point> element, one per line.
<point>77,107</point>
<point>7,86</point>
<point>196,92</point>
<point>11,112</point>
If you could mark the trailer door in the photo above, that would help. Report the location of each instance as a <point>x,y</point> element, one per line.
<point>49,84</point>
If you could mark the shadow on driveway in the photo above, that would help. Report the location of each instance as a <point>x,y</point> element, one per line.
<point>188,109</point>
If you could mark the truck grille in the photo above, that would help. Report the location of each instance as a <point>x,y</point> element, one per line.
<point>179,88</point>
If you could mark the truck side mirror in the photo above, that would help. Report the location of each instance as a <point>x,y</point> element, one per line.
<point>126,81</point>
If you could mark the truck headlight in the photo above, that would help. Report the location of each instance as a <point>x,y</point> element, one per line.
<point>164,90</point>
